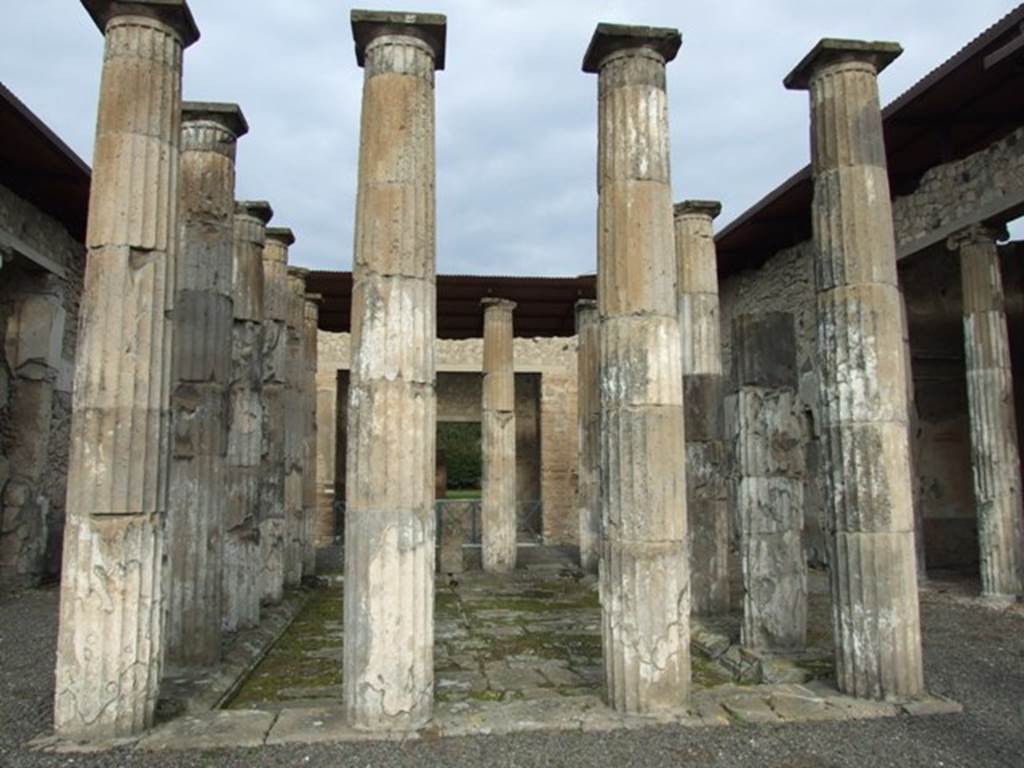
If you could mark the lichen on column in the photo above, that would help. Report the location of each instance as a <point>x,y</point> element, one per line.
<point>200,376</point>
<point>389,517</point>
<point>644,571</point>
<point>995,459</point>
<point>862,377</point>
<point>118,471</point>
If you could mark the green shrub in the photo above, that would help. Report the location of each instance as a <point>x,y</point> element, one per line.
<point>460,444</point>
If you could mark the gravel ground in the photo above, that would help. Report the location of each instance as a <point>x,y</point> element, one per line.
<point>971,654</point>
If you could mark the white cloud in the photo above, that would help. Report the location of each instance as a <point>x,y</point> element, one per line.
<point>516,117</point>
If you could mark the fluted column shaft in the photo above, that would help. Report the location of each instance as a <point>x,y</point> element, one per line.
<point>275,372</point>
<point>588,415</point>
<point>109,648</point>
<point>770,444</point>
<point>200,374</point>
<point>995,460</point>
<point>862,378</point>
<point>645,592</point>
<point>389,518</point>
<point>498,439</point>
<point>295,427</point>
<point>242,567</point>
<point>703,385</point>
<point>326,440</point>
<point>311,315</point>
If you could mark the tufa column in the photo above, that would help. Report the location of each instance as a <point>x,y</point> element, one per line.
<point>994,456</point>
<point>242,567</point>
<point>110,645</point>
<point>706,454</point>
<point>275,373</point>
<point>389,518</point>
<point>498,438</point>
<point>588,417</point>
<point>295,427</point>
<point>200,375</point>
<point>770,491</point>
<point>311,320</point>
<point>645,589</point>
<point>326,441</point>
<point>862,381</point>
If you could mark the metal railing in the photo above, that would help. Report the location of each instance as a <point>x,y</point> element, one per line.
<point>529,519</point>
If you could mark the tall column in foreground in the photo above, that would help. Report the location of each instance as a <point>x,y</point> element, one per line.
<point>588,416</point>
<point>498,438</point>
<point>200,375</point>
<point>706,454</point>
<point>274,393</point>
<point>862,377</point>
<point>295,427</point>
<point>110,645</point>
<point>311,319</point>
<point>995,460</point>
<point>389,519</point>
<point>242,568</point>
<point>645,589</point>
<point>770,493</point>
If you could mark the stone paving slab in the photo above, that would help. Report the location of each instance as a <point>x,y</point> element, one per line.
<point>211,730</point>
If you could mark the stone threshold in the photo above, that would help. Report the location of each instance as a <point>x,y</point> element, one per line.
<point>751,667</point>
<point>722,706</point>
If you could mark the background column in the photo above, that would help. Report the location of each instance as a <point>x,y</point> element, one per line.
<point>706,455</point>
<point>389,520</point>
<point>498,437</point>
<point>588,415</point>
<point>242,568</point>
<point>295,427</point>
<point>311,316</point>
<point>326,440</point>
<point>645,590</point>
<point>200,373</point>
<point>110,644</point>
<point>275,372</point>
<point>770,493</point>
<point>994,457</point>
<point>862,377</point>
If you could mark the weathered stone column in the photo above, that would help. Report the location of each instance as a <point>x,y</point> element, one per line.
<point>311,319</point>
<point>498,438</point>
<point>588,417</point>
<point>326,441</point>
<point>32,347</point>
<point>294,427</point>
<point>862,379</point>
<point>995,460</point>
<point>200,375</point>
<point>770,492</point>
<point>912,422</point>
<point>274,393</point>
<point>110,644</point>
<point>242,567</point>
<point>389,520</point>
<point>706,454</point>
<point>645,588</point>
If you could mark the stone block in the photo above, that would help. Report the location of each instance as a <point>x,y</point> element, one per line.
<point>35,333</point>
<point>764,350</point>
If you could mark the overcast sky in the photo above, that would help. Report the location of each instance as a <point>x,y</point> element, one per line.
<point>516,118</point>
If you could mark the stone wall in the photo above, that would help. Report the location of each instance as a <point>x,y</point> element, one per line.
<point>38,327</point>
<point>553,363</point>
<point>948,197</point>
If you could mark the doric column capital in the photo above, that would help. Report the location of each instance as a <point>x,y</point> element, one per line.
<point>612,39</point>
<point>257,209</point>
<point>586,313</point>
<point>297,275</point>
<point>226,115</point>
<point>428,28</point>
<point>282,235</point>
<point>174,13</point>
<point>831,52</point>
<point>981,233</point>
<point>491,303</point>
<point>708,208</point>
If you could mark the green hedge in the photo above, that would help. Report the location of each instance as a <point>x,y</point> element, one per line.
<point>460,444</point>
